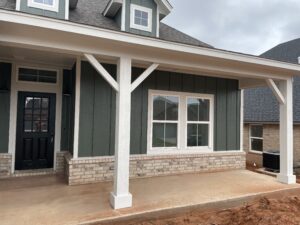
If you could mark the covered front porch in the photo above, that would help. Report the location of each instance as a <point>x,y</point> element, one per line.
<point>206,74</point>
<point>48,200</point>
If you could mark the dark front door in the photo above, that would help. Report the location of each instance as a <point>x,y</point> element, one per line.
<point>35,131</point>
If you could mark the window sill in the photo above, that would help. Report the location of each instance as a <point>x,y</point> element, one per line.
<point>178,152</point>
<point>255,152</point>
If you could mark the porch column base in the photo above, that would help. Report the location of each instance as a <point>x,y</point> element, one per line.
<point>120,201</point>
<point>286,179</point>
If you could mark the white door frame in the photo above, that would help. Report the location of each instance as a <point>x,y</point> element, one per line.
<point>17,86</point>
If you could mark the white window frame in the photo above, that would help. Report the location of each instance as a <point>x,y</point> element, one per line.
<point>37,82</point>
<point>54,7</point>
<point>259,138</point>
<point>182,147</point>
<point>134,7</point>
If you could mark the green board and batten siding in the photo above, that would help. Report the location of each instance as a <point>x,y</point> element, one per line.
<point>97,109</point>
<point>5,80</point>
<point>59,15</point>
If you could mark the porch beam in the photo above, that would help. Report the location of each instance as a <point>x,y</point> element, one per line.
<point>286,134</point>
<point>143,76</point>
<point>279,96</point>
<point>102,71</point>
<point>120,197</point>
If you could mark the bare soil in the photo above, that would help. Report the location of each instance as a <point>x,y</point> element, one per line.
<point>264,211</point>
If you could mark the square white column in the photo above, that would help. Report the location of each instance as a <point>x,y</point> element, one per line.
<point>286,134</point>
<point>120,197</point>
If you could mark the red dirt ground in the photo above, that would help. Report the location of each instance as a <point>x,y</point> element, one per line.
<point>265,211</point>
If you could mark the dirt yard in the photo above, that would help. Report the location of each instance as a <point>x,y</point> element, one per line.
<point>265,211</point>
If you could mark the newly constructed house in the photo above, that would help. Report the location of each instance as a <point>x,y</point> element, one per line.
<point>261,132</point>
<point>102,90</point>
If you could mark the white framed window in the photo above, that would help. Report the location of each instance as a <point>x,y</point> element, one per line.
<point>51,5</point>
<point>180,122</point>
<point>37,75</point>
<point>140,18</point>
<point>256,138</point>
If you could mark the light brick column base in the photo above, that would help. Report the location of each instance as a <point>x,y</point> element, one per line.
<point>5,165</point>
<point>83,171</point>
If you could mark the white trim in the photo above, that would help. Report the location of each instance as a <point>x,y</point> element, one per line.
<point>258,138</point>
<point>133,25</point>
<point>182,121</point>
<point>77,108</point>
<point>33,87</point>
<point>54,7</point>
<point>102,71</point>
<point>143,76</point>
<point>67,10</point>
<point>18,5</point>
<point>275,91</point>
<point>123,19</point>
<point>157,21</point>
<point>288,69</point>
<point>242,121</point>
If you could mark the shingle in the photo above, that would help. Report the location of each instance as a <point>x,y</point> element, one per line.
<point>260,104</point>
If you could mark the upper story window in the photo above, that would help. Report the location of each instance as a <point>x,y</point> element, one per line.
<point>51,5</point>
<point>141,18</point>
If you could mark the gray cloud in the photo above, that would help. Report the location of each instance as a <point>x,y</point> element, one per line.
<point>249,26</point>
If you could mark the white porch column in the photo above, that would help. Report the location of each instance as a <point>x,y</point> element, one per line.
<point>286,134</point>
<point>77,108</point>
<point>120,197</point>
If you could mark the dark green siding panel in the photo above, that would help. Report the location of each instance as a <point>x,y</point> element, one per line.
<point>232,132</point>
<point>5,78</point>
<point>200,84</point>
<point>188,83</point>
<point>175,82</point>
<point>238,125</point>
<point>148,84</point>
<point>87,100</point>
<point>162,80</point>
<point>221,118</point>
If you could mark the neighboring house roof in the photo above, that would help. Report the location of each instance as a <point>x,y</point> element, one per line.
<point>260,105</point>
<point>90,12</point>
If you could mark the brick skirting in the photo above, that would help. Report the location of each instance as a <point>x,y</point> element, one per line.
<point>5,165</point>
<point>83,171</point>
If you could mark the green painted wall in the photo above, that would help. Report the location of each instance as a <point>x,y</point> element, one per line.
<point>5,79</point>
<point>97,109</point>
<point>146,3</point>
<point>60,14</point>
<point>68,108</point>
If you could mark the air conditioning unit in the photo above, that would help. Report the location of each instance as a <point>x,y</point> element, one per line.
<point>271,160</point>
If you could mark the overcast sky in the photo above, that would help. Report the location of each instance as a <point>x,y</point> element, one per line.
<point>249,26</point>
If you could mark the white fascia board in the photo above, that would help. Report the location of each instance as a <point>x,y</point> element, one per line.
<point>165,7</point>
<point>119,36</point>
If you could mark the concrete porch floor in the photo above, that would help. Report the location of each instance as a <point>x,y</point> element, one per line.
<point>48,200</point>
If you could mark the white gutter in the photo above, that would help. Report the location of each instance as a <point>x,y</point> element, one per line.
<point>71,27</point>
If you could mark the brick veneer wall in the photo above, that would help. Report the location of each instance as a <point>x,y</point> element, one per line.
<point>271,141</point>
<point>83,171</point>
<point>5,165</point>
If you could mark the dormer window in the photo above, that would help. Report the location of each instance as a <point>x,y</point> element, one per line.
<point>50,5</point>
<point>141,18</point>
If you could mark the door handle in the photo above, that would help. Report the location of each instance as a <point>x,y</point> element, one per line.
<point>52,139</point>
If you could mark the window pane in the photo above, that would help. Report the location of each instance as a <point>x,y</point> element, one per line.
<point>28,126</point>
<point>192,109</point>
<point>28,102</point>
<point>172,108</point>
<point>45,103</point>
<point>257,144</point>
<point>203,110</point>
<point>192,135</point>
<point>144,22</point>
<point>158,135</point>
<point>197,135</point>
<point>44,126</point>
<point>144,15</point>
<point>137,20</point>
<point>198,109</point>
<point>257,131</point>
<point>138,13</point>
<point>47,76</point>
<point>37,103</point>
<point>159,112</point>
<point>28,114</point>
<point>202,134</point>
<point>165,108</point>
<point>34,75</point>
<point>170,135</point>
<point>27,74</point>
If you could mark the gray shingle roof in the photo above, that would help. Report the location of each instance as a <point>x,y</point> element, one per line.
<point>89,12</point>
<point>260,104</point>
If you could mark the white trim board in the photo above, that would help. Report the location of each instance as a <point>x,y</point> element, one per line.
<point>17,86</point>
